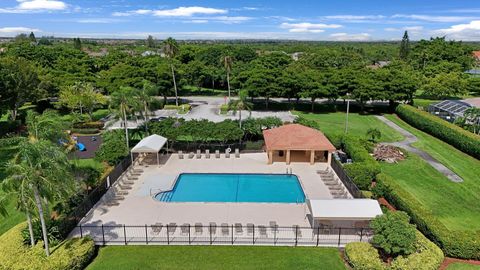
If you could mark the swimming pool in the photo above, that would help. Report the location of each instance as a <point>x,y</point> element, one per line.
<point>259,188</point>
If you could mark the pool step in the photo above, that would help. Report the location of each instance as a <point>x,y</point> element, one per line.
<point>164,196</point>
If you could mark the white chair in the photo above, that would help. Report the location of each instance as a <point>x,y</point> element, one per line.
<point>227,153</point>
<point>207,153</point>
<point>217,153</point>
<point>237,152</point>
<point>199,154</point>
<point>180,154</point>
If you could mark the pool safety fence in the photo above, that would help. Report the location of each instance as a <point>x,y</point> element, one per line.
<point>224,234</point>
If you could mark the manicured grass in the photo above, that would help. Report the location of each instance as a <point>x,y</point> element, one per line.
<point>463,266</point>
<point>216,257</point>
<point>358,124</point>
<point>455,204</point>
<point>88,162</point>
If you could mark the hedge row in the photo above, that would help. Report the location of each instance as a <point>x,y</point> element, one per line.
<point>458,137</point>
<point>457,244</point>
<point>72,254</point>
<point>363,256</point>
<point>364,167</point>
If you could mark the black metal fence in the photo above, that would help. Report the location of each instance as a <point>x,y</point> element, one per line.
<point>95,195</point>
<point>346,180</point>
<point>194,146</point>
<point>224,234</point>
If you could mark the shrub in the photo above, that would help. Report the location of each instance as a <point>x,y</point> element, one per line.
<point>89,125</point>
<point>85,130</point>
<point>458,137</point>
<point>458,244</point>
<point>72,254</point>
<point>100,114</point>
<point>113,148</point>
<point>306,122</point>
<point>8,127</point>
<point>224,109</point>
<point>182,108</point>
<point>363,256</point>
<point>362,173</point>
<point>253,127</point>
<point>393,233</point>
<point>53,232</point>
<point>427,256</point>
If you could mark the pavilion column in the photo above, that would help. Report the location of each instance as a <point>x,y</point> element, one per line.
<point>270,157</point>
<point>288,157</point>
<point>329,159</point>
<point>158,160</point>
<point>312,157</point>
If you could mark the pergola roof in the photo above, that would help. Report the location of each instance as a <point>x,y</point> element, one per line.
<point>344,209</point>
<point>296,137</point>
<point>150,144</point>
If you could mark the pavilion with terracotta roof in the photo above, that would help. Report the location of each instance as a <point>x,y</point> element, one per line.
<point>297,143</point>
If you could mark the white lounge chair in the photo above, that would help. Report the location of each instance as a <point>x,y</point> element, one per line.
<point>227,153</point>
<point>207,153</point>
<point>250,228</point>
<point>237,152</point>
<point>199,154</point>
<point>263,231</point>
<point>217,153</point>
<point>185,229</point>
<point>213,228</point>
<point>225,230</point>
<point>157,228</point>
<point>198,228</point>
<point>180,154</point>
<point>191,155</point>
<point>238,228</point>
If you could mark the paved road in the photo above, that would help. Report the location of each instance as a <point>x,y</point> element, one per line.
<point>407,145</point>
<point>207,108</point>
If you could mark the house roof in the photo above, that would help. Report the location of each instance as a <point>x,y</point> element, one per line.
<point>296,137</point>
<point>344,209</point>
<point>476,54</point>
<point>150,144</point>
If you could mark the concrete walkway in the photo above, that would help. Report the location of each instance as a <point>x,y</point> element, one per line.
<point>407,145</point>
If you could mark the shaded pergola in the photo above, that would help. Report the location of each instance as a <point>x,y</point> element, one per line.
<point>297,143</point>
<point>150,145</point>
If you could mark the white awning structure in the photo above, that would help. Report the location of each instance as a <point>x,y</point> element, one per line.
<point>151,144</point>
<point>344,209</point>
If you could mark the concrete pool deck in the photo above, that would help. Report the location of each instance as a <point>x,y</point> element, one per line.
<point>139,208</point>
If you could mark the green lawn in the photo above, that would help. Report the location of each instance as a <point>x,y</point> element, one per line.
<point>331,123</point>
<point>455,204</point>
<point>216,257</point>
<point>463,266</point>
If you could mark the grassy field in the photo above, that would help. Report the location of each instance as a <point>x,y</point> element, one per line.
<point>455,204</point>
<point>463,266</point>
<point>216,257</point>
<point>357,124</point>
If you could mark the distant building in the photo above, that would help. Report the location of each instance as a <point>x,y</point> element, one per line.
<point>296,55</point>
<point>101,53</point>
<point>2,50</point>
<point>476,55</point>
<point>452,109</point>
<point>379,64</point>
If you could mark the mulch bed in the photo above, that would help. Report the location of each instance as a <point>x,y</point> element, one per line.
<point>91,146</point>
<point>384,202</point>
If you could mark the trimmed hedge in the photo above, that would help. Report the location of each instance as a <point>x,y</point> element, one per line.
<point>89,125</point>
<point>461,139</point>
<point>363,256</point>
<point>364,168</point>
<point>72,254</point>
<point>457,244</point>
<point>427,257</point>
<point>182,108</point>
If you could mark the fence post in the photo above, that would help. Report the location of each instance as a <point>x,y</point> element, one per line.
<point>168,237</point>
<point>275,235</point>
<point>253,237</point>
<point>339,235</point>
<point>189,239</point>
<point>103,235</point>
<point>210,232</point>
<point>296,235</point>
<point>232,234</point>
<point>125,234</point>
<point>81,232</point>
<point>146,234</point>
<point>318,234</point>
<point>361,234</point>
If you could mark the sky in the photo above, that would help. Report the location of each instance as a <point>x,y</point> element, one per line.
<point>341,20</point>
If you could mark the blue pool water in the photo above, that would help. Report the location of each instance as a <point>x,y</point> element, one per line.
<point>259,188</point>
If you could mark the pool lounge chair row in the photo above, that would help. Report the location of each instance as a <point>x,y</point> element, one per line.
<point>225,229</point>
<point>198,155</point>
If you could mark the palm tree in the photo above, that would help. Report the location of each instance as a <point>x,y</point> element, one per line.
<point>124,103</point>
<point>44,171</point>
<point>227,62</point>
<point>170,48</point>
<point>374,134</point>
<point>240,104</point>
<point>144,97</point>
<point>472,115</point>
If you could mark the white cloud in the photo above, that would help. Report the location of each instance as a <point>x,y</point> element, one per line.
<point>407,28</point>
<point>355,18</point>
<point>176,12</point>
<point>32,6</point>
<point>17,30</point>
<point>306,27</point>
<point>350,37</point>
<point>97,20</point>
<point>466,31</point>
<point>430,18</point>
<point>230,19</point>
<point>196,21</point>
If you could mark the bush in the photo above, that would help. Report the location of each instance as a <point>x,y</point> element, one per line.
<point>100,114</point>
<point>113,148</point>
<point>458,137</point>
<point>457,244</point>
<point>427,256</point>
<point>362,173</point>
<point>155,104</point>
<point>53,232</point>
<point>393,233</point>
<point>182,108</point>
<point>363,256</point>
<point>224,109</point>
<point>85,130</point>
<point>253,127</point>
<point>306,122</point>
<point>72,254</point>
<point>89,125</point>
<point>8,127</point>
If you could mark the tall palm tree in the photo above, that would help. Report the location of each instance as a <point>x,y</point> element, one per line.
<point>170,48</point>
<point>145,97</point>
<point>227,63</point>
<point>124,103</point>
<point>239,105</point>
<point>44,171</point>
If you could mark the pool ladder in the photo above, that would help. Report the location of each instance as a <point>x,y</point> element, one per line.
<point>289,170</point>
